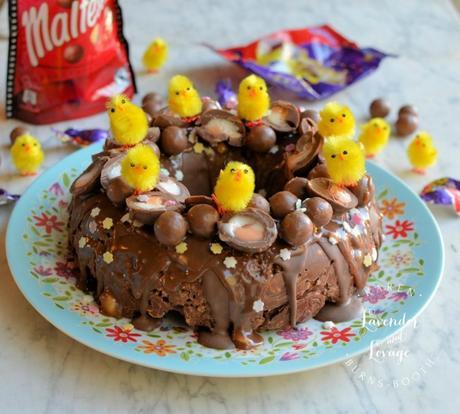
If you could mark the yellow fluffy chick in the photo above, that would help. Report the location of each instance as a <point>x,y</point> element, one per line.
<point>253,99</point>
<point>128,122</point>
<point>155,56</point>
<point>234,187</point>
<point>27,154</point>
<point>422,152</point>
<point>374,136</point>
<point>345,161</point>
<point>336,120</point>
<point>183,98</point>
<point>140,168</point>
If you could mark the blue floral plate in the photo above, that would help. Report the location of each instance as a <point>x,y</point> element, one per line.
<point>411,263</point>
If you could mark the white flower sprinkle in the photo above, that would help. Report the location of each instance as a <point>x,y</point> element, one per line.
<point>87,299</point>
<point>181,248</point>
<point>92,227</point>
<point>285,254</point>
<point>179,175</point>
<point>258,306</point>
<point>107,257</point>
<point>82,242</point>
<point>107,223</point>
<point>274,149</point>
<point>367,261</point>
<point>230,262</point>
<point>95,211</point>
<point>332,240</point>
<point>328,325</point>
<point>347,227</point>
<point>374,254</point>
<point>216,248</point>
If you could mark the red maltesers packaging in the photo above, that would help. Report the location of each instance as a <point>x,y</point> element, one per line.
<point>66,58</point>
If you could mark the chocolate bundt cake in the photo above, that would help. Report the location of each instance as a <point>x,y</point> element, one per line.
<point>303,248</point>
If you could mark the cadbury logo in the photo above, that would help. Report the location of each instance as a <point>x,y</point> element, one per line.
<point>43,35</point>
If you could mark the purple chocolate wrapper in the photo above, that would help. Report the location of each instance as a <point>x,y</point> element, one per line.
<point>443,191</point>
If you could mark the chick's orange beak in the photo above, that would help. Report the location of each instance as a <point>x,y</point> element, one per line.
<point>342,158</point>
<point>120,108</point>
<point>138,169</point>
<point>238,175</point>
<point>252,93</point>
<point>27,147</point>
<point>184,93</point>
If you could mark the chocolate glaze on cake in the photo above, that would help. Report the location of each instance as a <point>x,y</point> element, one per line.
<point>226,282</point>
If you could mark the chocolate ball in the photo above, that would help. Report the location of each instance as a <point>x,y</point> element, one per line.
<point>73,53</point>
<point>173,140</point>
<point>170,228</point>
<point>319,210</point>
<point>203,219</point>
<point>408,109</point>
<point>296,228</point>
<point>260,202</point>
<point>379,108</point>
<point>297,186</point>
<point>16,132</point>
<point>152,103</point>
<point>282,203</point>
<point>261,138</point>
<point>153,134</point>
<point>406,124</point>
<point>311,114</point>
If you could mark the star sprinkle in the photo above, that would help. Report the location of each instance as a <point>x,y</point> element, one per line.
<point>95,212</point>
<point>285,254</point>
<point>82,242</point>
<point>179,175</point>
<point>92,227</point>
<point>198,148</point>
<point>258,306</point>
<point>230,262</point>
<point>107,223</point>
<point>181,248</point>
<point>367,261</point>
<point>328,325</point>
<point>107,257</point>
<point>216,248</point>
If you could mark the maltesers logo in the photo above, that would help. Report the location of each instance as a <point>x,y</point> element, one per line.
<point>44,34</point>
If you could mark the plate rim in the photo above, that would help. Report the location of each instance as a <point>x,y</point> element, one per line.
<point>188,368</point>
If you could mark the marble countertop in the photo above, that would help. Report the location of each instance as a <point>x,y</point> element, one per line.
<point>44,371</point>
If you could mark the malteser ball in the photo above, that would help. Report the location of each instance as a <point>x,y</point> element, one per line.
<point>170,228</point>
<point>379,108</point>
<point>297,186</point>
<point>17,132</point>
<point>319,210</point>
<point>261,138</point>
<point>408,109</point>
<point>73,53</point>
<point>310,114</point>
<point>153,134</point>
<point>173,140</point>
<point>260,202</point>
<point>203,219</point>
<point>406,124</point>
<point>296,228</point>
<point>282,203</point>
<point>319,171</point>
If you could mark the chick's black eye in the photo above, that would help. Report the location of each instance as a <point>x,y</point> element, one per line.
<point>344,115</point>
<point>345,152</point>
<point>188,89</point>
<point>177,92</point>
<point>35,144</point>
<point>333,156</point>
<point>145,167</point>
<point>112,110</point>
<point>232,170</point>
<point>332,120</point>
<point>123,101</point>
<point>23,145</point>
<point>261,88</point>
<point>132,165</point>
<point>246,171</point>
<point>249,88</point>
